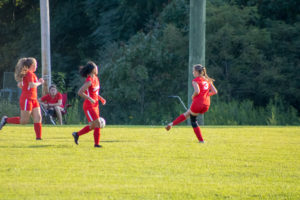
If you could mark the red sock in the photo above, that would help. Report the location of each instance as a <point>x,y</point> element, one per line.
<point>97,136</point>
<point>38,130</point>
<point>85,130</point>
<point>179,119</point>
<point>13,120</point>
<point>198,133</point>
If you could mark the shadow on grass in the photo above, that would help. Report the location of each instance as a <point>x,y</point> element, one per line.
<point>113,141</point>
<point>35,146</point>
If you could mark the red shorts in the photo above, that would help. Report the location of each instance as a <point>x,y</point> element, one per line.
<point>91,113</point>
<point>199,108</point>
<point>28,104</point>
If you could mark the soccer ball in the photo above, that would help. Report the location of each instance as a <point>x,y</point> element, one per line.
<point>102,122</point>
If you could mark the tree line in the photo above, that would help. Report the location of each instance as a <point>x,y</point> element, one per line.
<point>252,50</point>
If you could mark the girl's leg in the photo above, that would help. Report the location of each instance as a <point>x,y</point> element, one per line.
<point>13,120</point>
<point>96,126</point>
<point>93,125</point>
<point>179,119</point>
<point>24,119</point>
<point>37,121</point>
<point>196,128</point>
<point>58,110</point>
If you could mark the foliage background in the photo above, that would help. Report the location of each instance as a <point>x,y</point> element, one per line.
<point>252,50</point>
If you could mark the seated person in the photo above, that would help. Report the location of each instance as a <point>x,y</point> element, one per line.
<point>53,102</point>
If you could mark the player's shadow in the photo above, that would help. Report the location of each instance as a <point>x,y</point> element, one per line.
<point>116,141</point>
<point>46,146</point>
<point>40,146</point>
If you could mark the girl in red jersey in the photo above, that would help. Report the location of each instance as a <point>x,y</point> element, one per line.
<point>52,102</point>
<point>203,89</point>
<point>29,105</point>
<point>90,92</point>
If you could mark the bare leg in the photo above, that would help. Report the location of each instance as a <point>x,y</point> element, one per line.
<point>25,116</point>
<point>58,113</point>
<point>95,124</point>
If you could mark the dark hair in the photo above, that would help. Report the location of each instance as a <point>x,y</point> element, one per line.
<point>52,86</point>
<point>87,69</point>
<point>202,71</point>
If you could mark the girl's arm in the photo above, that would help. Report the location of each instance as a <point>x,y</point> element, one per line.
<point>83,88</point>
<point>33,85</point>
<point>56,104</point>
<point>196,89</point>
<point>41,102</point>
<point>213,90</point>
<point>103,101</point>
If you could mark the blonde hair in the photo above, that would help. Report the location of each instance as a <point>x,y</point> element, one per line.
<point>202,71</point>
<point>22,67</point>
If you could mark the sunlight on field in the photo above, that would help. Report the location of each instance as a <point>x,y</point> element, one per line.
<point>143,162</point>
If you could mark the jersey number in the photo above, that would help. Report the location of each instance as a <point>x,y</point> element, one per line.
<point>205,85</point>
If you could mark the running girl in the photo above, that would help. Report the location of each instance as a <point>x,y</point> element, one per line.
<point>203,89</point>
<point>29,105</point>
<point>90,92</point>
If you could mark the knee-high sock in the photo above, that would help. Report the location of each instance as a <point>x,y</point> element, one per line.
<point>85,130</point>
<point>97,135</point>
<point>13,120</point>
<point>179,119</point>
<point>198,133</point>
<point>38,130</point>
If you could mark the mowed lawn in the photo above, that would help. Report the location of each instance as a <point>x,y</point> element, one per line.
<point>144,162</point>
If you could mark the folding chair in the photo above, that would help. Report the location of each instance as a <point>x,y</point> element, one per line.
<point>47,116</point>
<point>50,115</point>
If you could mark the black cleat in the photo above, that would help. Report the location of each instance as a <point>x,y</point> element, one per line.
<point>38,138</point>
<point>76,137</point>
<point>3,122</point>
<point>97,146</point>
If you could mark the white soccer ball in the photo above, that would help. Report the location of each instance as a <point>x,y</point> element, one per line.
<point>102,122</point>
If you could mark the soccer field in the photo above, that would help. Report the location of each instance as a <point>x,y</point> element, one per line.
<point>144,162</point>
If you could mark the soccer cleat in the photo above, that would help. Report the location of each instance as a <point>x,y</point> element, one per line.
<point>201,142</point>
<point>76,137</point>
<point>97,146</point>
<point>38,138</point>
<point>3,121</point>
<point>168,127</point>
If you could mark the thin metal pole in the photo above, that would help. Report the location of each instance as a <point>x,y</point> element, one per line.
<point>45,43</point>
<point>196,42</point>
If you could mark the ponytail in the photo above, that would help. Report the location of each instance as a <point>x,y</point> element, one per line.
<point>87,69</point>
<point>202,71</point>
<point>206,76</point>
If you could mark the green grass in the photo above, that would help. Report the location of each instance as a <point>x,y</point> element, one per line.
<point>143,162</point>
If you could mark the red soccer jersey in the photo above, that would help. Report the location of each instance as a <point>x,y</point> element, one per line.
<point>204,86</point>
<point>27,92</point>
<point>92,91</point>
<point>49,99</point>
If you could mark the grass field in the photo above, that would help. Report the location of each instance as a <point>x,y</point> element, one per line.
<point>144,162</point>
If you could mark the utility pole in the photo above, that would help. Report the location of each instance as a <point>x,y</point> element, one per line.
<point>45,42</point>
<point>196,43</point>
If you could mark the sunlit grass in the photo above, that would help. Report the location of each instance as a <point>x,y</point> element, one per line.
<point>146,162</point>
